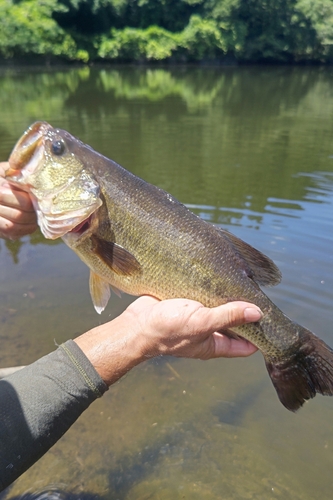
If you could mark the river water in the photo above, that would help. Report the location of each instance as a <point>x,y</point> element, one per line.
<point>248,148</point>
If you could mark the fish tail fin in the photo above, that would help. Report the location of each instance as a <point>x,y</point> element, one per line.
<point>307,372</point>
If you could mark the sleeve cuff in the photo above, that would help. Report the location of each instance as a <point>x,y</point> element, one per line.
<point>84,368</point>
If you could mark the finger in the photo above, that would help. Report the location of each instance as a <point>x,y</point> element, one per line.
<point>4,165</point>
<point>13,198</point>
<point>231,348</point>
<point>12,231</point>
<point>17,216</point>
<point>226,316</point>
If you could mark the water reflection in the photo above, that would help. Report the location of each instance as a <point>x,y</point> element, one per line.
<point>246,121</point>
<point>159,84</point>
<point>14,247</point>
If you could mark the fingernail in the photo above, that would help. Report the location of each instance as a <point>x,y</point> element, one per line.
<point>252,314</point>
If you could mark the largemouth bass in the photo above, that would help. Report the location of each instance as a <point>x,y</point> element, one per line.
<point>139,239</point>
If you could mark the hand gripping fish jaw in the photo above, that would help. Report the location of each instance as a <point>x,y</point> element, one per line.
<point>39,165</point>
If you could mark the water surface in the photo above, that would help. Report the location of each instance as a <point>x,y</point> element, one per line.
<point>249,149</point>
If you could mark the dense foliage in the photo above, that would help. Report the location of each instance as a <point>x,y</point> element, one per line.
<point>167,30</point>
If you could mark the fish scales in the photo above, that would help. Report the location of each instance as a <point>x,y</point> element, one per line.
<point>139,239</point>
<point>152,210</point>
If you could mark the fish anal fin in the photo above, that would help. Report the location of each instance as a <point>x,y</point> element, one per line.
<point>115,257</point>
<point>99,291</point>
<point>229,333</point>
<point>258,266</point>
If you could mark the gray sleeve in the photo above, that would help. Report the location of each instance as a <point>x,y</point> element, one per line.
<point>39,403</point>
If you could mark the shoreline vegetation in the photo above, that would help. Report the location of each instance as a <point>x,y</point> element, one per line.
<point>166,31</point>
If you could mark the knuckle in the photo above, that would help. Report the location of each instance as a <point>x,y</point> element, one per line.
<point>234,315</point>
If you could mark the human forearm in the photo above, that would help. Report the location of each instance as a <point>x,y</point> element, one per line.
<point>39,404</point>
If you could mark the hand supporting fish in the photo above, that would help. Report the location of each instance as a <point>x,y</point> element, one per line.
<point>138,239</point>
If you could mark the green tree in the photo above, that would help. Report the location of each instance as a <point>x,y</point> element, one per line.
<point>317,16</point>
<point>275,30</point>
<point>28,28</point>
<point>200,39</point>
<point>155,30</point>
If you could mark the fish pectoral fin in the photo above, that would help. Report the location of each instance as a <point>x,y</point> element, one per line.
<point>99,291</point>
<point>257,266</point>
<point>116,257</point>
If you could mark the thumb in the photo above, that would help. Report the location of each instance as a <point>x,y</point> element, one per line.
<point>224,318</point>
<point>229,315</point>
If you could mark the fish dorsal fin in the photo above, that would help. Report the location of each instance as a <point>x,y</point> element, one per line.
<point>258,266</point>
<point>99,291</point>
<point>115,257</point>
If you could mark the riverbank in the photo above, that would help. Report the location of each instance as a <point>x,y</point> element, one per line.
<point>185,31</point>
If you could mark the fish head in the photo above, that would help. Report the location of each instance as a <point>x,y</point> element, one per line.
<point>45,163</point>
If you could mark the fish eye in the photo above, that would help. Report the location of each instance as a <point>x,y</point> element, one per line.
<point>58,147</point>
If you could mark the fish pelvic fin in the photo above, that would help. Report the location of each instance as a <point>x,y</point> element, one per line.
<point>116,291</point>
<point>257,266</point>
<point>115,257</point>
<point>304,374</point>
<point>99,291</point>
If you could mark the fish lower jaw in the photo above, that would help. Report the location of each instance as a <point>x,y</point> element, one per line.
<point>53,226</point>
<point>13,175</point>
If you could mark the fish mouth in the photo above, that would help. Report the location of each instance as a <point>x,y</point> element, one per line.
<point>23,160</point>
<point>55,226</point>
<point>61,207</point>
<point>83,226</point>
<point>81,231</point>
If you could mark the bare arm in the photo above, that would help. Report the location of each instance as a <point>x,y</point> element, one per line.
<point>177,327</point>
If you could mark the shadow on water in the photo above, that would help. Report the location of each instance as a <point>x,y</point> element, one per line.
<point>131,471</point>
<point>234,412</point>
<point>55,492</point>
<point>176,451</point>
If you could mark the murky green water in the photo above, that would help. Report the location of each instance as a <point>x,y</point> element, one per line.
<point>250,149</point>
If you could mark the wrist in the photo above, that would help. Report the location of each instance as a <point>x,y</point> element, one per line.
<point>113,348</point>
